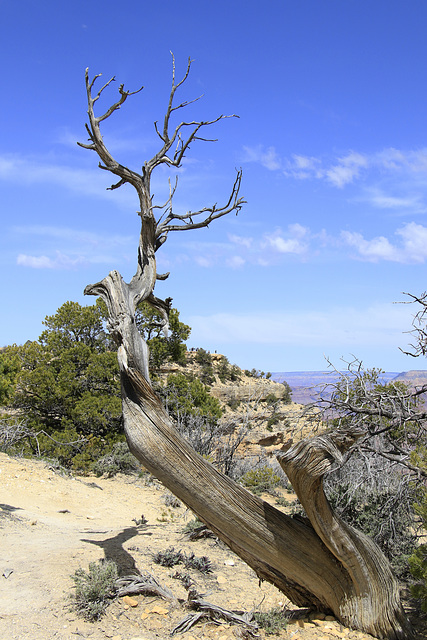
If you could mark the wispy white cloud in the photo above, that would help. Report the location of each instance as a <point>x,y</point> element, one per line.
<point>346,169</point>
<point>391,178</point>
<point>412,247</point>
<point>123,141</point>
<point>35,262</point>
<point>73,235</point>
<point>406,245</point>
<point>338,171</point>
<point>204,261</point>
<point>268,158</point>
<point>60,261</point>
<point>414,238</point>
<point>241,240</point>
<point>379,248</point>
<point>77,248</point>
<point>294,240</point>
<point>381,200</point>
<point>29,171</point>
<point>302,167</point>
<point>235,262</point>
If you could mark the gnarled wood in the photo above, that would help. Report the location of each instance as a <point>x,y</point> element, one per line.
<point>376,605</point>
<point>323,565</point>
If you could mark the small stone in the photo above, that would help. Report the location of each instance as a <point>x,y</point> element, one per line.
<point>144,615</point>
<point>34,522</point>
<point>160,610</point>
<point>131,602</point>
<point>301,624</point>
<point>221,580</point>
<point>229,563</point>
<point>330,618</point>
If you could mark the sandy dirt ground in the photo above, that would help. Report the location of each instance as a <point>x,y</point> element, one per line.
<point>51,525</point>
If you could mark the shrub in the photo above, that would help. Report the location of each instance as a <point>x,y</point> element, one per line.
<point>418,568</point>
<point>118,460</point>
<point>202,563</point>
<point>287,393</point>
<point>16,437</point>
<point>62,445</point>
<point>168,558</point>
<point>418,560</point>
<point>271,399</point>
<point>272,621</point>
<point>234,403</point>
<point>254,373</point>
<point>94,588</point>
<point>192,525</point>
<point>171,501</point>
<point>271,422</point>
<point>204,359</point>
<point>262,479</point>
<point>384,514</point>
<point>195,530</point>
<point>225,371</point>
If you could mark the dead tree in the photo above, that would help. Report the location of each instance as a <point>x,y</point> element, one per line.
<point>319,564</point>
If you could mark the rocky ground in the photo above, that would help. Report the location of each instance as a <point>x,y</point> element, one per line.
<point>51,525</point>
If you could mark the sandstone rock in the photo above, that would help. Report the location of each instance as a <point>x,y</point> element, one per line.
<point>131,602</point>
<point>160,610</point>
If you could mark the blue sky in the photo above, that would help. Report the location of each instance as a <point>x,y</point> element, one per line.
<point>331,138</point>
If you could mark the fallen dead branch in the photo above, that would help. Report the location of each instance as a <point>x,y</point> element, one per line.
<point>202,610</point>
<point>145,584</point>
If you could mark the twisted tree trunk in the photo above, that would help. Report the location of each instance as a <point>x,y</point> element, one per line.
<point>322,564</point>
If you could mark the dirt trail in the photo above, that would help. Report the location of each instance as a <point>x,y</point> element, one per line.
<point>51,525</point>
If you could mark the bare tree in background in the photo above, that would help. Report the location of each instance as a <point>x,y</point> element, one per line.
<point>322,564</point>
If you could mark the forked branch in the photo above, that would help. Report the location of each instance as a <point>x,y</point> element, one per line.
<point>107,163</point>
<point>169,138</point>
<point>189,219</point>
<point>174,146</point>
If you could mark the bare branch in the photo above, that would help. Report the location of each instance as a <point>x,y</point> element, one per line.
<point>172,94</point>
<point>172,153</point>
<point>419,330</point>
<point>97,142</point>
<point>186,221</point>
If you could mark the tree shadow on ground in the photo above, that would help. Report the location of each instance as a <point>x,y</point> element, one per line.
<point>9,507</point>
<point>114,550</point>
